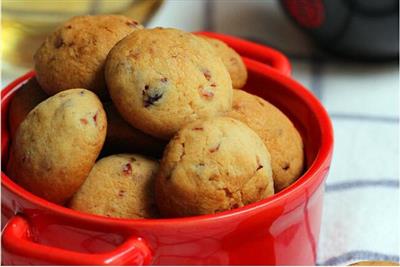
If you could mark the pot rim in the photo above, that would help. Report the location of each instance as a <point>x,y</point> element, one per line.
<point>309,179</point>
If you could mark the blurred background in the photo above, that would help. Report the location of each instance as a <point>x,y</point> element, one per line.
<point>26,23</point>
<point>344,51</point>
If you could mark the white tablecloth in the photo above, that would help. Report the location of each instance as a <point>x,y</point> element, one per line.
<point>361,209</point>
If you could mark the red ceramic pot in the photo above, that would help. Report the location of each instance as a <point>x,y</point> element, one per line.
<point>280,230</point>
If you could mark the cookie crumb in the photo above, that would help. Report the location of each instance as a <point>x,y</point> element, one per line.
<point>132,23</point>
<point>286,166</point>
<point>121,193</point>
<point>206,93</point>
<point>127,169</point>
<point>95,118</point>
<point>228,193</point>
<point>150,97</point>
<point>107,29</point>
<point>58,42</point>
<point>84,121</point>
<point>213,178</point>
<point>236,106</point>
<point>198,129</point>
<point>261,190</point>
<point>164,80</point>
<point>214,149</point>
<point>260,102</point>
<point>233,60</point>
<point>207,74</point>
<point>136,55</point>
<point>258,160</point>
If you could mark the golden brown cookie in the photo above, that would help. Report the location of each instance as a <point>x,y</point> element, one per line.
<point>122,138</point>
<point>278,133</point>
<point>375,263</point>
<point>24,100</point>
<point>73,56</point>
<point>232,61</point>
<point>56,146</point>
<point>161,79</point>
<point>120,186</point>
<point>211,166</point>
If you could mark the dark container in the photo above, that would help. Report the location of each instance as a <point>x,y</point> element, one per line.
<point>361,29</point>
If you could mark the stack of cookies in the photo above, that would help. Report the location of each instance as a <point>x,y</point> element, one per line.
<point>128,122</point>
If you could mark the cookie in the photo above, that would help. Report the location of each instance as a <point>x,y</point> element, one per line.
<point>56,146</point>
<point>213,165</point>
<point>277,132</point>
<point>73,56</point>
<point>161,79</point>
<point>375,263</point>
<point>232,61</point>
<point>24,100</point>
<point>121,137</point>
<point>120,186</point>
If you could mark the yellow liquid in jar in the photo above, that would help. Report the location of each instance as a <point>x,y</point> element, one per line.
<point>26,23</point>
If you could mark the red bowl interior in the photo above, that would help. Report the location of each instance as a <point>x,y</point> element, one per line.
<point>294,100</point>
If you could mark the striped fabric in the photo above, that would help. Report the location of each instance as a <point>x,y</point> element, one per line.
<point>361,210</point>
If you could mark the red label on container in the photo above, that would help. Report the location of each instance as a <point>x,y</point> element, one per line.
<point>308,13</point>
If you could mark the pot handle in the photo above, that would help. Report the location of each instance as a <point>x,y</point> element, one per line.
<point>16,239</point>
<point>269,56</point>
